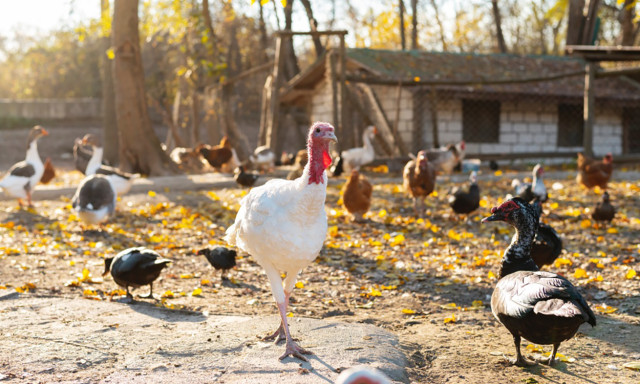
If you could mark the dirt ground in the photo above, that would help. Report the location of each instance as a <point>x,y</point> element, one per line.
<point>427,281</point>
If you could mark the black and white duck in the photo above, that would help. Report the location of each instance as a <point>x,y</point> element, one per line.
<point>547,245</point>
<point>542,307</point>
<point>529,191</point>
<point>220,258</point>
<point>94,200</point>
<point>135,267</point>
<point>121,181</point>
<point>244,178</point>
<point>22,177</point>
<point>464,202</point>
<point>604,210</point>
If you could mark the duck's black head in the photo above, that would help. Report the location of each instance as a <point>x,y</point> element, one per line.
<point>605,197</point>
<point>107,265</point>
<point>516,212</point>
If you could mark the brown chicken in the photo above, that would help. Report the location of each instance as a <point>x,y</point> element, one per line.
<point>419,180</point>
<point>592,172</point>
<point>49,172</point>
<point>356,195</point>
<point>216,155</point>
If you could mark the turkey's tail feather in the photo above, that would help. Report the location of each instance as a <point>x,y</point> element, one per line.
<point>231,235</point>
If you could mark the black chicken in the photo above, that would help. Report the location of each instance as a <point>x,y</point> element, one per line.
<point>542,307</point>
<point>220,258</point>
<point>464,202</point>
<point>604,210</point>
<point>244,178</point>
<point>135,267</point>
<point>547,244</point>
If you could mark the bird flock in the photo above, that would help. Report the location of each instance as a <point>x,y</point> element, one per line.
<point>282,224</point>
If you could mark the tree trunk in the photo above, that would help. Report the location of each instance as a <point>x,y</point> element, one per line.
<point>109,126</point>
<point>237,139</point>
<point>575,23</point>
<point>440,26</point>
<point>140,149</point>
<point>313,26</point>
<point>403,43</point>
<point>206,15</point>
<point>414,24</point>
<point>502,46</point>
<point>628,33</point>
<point>291,67</point>
<point>264,40</point>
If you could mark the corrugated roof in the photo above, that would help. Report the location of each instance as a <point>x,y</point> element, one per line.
<point>452,70</point>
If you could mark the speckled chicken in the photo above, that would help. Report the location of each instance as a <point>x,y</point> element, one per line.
<point>542,307</point>
<point>604,210</point>
<point>592,172</point>
<point>419,180</point>
<point>356,195</point>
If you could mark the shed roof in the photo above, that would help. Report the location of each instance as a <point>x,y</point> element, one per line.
<point>469,72</point>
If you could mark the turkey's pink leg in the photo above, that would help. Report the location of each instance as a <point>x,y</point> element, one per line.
<point>279,334</point>
<point>292,348</point>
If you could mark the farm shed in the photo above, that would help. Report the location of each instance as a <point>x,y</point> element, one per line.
<point>497,103</point>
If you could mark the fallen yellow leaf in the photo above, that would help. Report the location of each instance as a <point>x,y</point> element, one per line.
<point>197,292</point>
<point>450,319</point>
<point>630,274</point>
<point>299,285</point>
<point>580,274</point>
<point>408,311</point>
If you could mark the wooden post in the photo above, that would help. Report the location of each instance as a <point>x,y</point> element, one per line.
<point>433,105</point>
<point>589,90</point>
<point>274,105</point>
<point>334,93</point>
<point>344,107</point>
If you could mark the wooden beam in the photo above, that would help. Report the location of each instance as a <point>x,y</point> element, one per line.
<point>344,102</point>
<point>334,93</point>
<point>310,33</point>
<point>274,101</point>
<point>589,96</point>
<point>412,82</point>
<point>380,118</point>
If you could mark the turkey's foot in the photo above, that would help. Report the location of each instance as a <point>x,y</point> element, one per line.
<point>278,335</point>
<point>294,350</point>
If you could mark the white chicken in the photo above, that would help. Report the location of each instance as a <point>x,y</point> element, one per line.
<point>263,158</point>
<point>354,158</point>
<point>446,159</point>
<point>283,225</point>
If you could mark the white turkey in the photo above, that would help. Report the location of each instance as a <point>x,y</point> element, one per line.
<point>283,225</point>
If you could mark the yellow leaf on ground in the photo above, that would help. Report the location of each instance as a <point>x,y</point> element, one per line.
<point>498,173</point>
<point>612,230</point>
<point>450,319</point>
<point>491,275</point>
<point>197,292</point>
<point>408,311</point>
<point>151,194</point>
<point>449,306</point>
<point>299,285</point>
<point>168,294</point>
<point>290,314</point>
<point>382,213</point>
<point>186,276</point>
<point>586,223</point>
<point>630,274</point>
<point>580,274</point>
<point>604,308</point>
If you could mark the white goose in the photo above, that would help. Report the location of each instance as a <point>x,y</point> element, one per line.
<point>22,177</point>
<point>121,181</point>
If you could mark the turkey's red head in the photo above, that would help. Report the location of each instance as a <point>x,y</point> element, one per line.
<point>320,135</point>
<point>608,158</point>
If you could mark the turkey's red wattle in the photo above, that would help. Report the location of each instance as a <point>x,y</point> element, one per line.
<point>326,159</point>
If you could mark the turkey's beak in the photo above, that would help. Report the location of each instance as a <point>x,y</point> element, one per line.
<point>331,136</point>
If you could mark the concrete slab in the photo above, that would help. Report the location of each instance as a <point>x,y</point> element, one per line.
<point>53,339</point>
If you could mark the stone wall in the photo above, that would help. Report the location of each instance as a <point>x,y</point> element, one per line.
<point>52,109</point>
